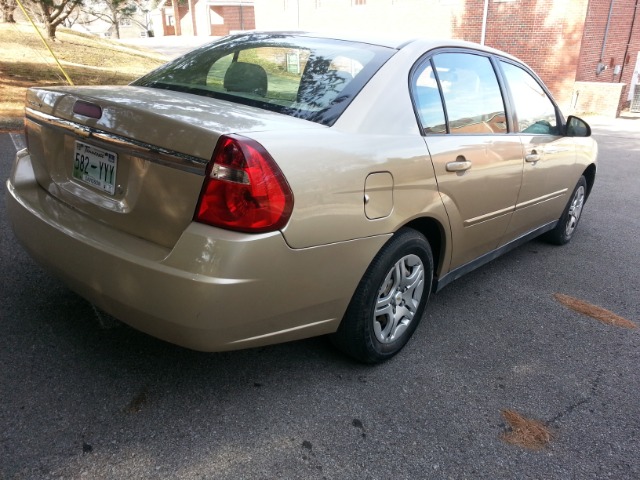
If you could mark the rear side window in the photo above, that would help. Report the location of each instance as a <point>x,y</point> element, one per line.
<point>428,102</point>
<point>305,77</point>
<point>471,92</point>
<point>467,83</point>
<point>534,109</point>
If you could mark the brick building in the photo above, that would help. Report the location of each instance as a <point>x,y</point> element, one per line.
<point>586,51</point>
<point>202,17</point>
<point>610,53</point>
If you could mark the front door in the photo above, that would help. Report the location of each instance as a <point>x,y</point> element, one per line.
<point>549,157</point>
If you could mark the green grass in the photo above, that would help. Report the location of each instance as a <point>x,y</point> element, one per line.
<point>86,59</point>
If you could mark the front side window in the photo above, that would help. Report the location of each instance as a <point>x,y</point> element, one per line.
<point>471,92</point>
<point>534,109</point>
<point>310,78</point>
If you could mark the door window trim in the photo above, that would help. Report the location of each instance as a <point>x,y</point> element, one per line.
<point>505,91</point>
<point>560,120</point>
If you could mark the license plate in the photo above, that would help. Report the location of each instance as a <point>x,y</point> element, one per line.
<point>95,166</point>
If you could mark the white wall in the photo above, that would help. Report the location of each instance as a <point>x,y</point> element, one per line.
<point>431,18</point>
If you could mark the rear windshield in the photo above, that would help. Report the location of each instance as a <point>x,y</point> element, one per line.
<point>310,78</point>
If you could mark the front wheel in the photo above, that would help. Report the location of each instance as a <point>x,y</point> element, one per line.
<point>389,301</point>
<point>566,227</point>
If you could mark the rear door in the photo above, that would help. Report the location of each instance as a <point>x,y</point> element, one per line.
<point>477,163</point>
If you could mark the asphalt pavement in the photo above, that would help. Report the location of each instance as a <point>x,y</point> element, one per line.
<point>81,397</point>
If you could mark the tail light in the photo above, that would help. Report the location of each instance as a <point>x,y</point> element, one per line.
<point>244,189</point>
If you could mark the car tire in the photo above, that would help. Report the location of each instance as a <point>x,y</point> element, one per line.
<point>389,301</point>
<point>568,223</point>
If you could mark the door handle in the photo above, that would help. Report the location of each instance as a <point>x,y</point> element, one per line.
<point>532,157</point>
<point>458,166</point>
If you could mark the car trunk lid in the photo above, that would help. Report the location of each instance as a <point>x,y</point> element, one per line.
<point>133,157</point>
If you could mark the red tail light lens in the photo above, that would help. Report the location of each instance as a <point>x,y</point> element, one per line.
<point>244,189</point>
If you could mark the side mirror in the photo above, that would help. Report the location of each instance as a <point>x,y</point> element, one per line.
<point>576,127</point>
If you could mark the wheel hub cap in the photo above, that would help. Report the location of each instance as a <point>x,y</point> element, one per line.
<point>575,209</point>
<point>398,298</point>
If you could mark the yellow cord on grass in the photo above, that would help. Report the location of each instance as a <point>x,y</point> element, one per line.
<point>45,42</point>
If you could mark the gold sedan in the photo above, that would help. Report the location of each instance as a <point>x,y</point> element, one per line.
<point>269,187</point>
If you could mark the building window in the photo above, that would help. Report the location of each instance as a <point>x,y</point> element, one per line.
<point>125,22</point>
<point>358,2</point>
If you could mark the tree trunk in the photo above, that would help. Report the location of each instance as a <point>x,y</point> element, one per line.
<point>47,15</point>
<point>7,16</point>
<point>51,30</point>
<point>8,6</point>
<point>53,14</point>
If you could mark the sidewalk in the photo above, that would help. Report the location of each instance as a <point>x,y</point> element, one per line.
<point>626,123</point>
<point>171,46</point>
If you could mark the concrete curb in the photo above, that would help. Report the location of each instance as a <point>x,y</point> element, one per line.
<point>11,124</point>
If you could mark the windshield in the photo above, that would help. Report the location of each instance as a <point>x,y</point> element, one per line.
<point>310,78</point>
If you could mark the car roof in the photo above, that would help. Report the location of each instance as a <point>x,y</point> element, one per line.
<point>396,42</point>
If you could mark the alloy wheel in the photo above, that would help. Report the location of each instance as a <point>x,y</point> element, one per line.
<point>575,209</point>
<point>398,298</point>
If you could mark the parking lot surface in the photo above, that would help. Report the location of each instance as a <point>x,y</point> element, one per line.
<point>82,396</point>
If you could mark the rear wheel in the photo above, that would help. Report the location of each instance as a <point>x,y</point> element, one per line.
<point>389,301</point>
<point>566,227</point>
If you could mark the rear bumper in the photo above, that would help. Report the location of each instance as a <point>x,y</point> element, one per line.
<point>214,290</point>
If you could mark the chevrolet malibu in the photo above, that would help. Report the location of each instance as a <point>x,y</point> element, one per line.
<point>269,187</point>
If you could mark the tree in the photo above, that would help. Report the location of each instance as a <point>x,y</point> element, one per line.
<point>54,12</point>
<point>7,7</point>
<point>115,11</point>
<point>112,12</point>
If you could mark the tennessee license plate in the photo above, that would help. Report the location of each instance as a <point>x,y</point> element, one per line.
<point>95,166</point>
